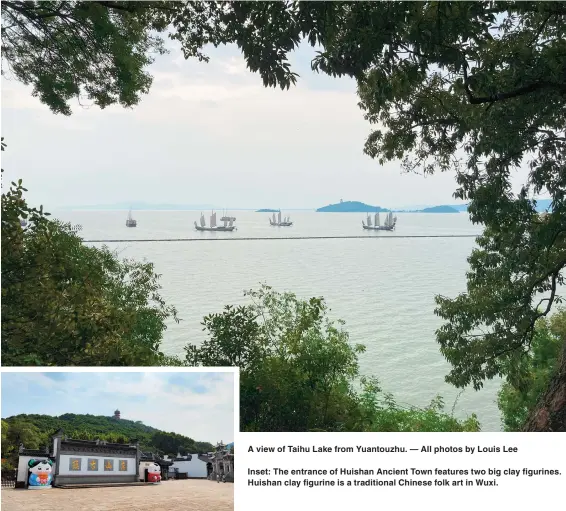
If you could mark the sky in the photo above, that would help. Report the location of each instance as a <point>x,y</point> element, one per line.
<point>199,405</point>
<point>209,133</point>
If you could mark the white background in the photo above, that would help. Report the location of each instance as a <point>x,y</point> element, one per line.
<point>535,451</point>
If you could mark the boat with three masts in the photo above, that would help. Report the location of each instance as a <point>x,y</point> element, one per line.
<point>228,224</point>
<point>130,222</point>
<point>389,224</point>
<point>280,222</point>
<point>227,218</point>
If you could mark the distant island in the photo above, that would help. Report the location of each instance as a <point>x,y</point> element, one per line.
<point>541,205</point>
<point>351,207</point>
<point>438,209</point>
<point>360,207</point>
<point>267,211</point>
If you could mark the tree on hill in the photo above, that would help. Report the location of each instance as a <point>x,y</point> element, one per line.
<point>35,431</point>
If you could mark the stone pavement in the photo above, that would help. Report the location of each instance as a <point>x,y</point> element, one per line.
<point>193,494</point>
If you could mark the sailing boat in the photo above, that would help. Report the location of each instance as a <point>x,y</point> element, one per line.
<point>389,224</point>
<point>226,218</point>
<point>228,224</point>
<point>280,222</point>
<point>130,222</point>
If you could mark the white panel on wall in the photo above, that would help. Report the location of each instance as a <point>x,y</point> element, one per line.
<point>23,467</point>
<point>65,465</point>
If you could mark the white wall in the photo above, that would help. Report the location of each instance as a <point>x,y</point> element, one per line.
<point>193,468</point>
<point>64,466</point>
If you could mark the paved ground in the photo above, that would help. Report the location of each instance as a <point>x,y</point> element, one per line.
<point>193,494</point>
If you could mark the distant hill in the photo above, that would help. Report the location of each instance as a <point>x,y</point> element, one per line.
<point>542,205</point>
<point>35,431</point>
<point>430,209</point>
<point>439,209</point>
<point>460,207</point>
<point>267,211</point>
<point>350,207</point>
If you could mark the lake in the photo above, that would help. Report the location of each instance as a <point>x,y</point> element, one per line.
<point>383,287</point>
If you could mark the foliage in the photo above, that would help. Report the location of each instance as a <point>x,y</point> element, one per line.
<point>298,371</point>
<point>385,414</point>
<point>34,431</point>
<point>64,303</point>
<point>5,431</point>
<point>101,50</point>
<point>71,49</point>
<point>516,401</point>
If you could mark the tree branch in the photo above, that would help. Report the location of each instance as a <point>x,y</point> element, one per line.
<point>500,96</point>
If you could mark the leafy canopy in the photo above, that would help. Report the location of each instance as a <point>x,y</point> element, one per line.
<point>94,50</point>
<point>100,51</point>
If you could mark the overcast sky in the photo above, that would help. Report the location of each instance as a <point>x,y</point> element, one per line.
<point>209,134</point>
<point>197,405</point>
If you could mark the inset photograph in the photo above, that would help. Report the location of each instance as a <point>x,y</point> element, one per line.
<point>117,440</point>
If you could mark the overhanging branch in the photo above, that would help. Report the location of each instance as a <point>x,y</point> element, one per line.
<point>501,96</point>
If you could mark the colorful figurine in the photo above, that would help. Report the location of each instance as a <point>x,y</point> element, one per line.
<point>40,474</point>
<point>154,473</point>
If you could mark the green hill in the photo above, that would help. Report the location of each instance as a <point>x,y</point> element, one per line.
<point>350,207</point>
<point>439,209</point>
<point>34,432</point>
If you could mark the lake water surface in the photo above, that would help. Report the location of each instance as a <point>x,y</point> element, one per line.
<point>382,286</point>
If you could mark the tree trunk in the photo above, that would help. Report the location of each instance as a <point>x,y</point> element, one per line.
<point>550,411</point>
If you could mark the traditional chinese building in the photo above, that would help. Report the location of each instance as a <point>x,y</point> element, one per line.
<point>220,463</point>
<point>188,466</point>
<point>85,461</point>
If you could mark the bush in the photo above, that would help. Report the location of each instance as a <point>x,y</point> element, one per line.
<point>64,303</point>
<point>298,371</point>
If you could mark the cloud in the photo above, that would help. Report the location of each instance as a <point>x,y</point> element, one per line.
<point>204,121</point>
